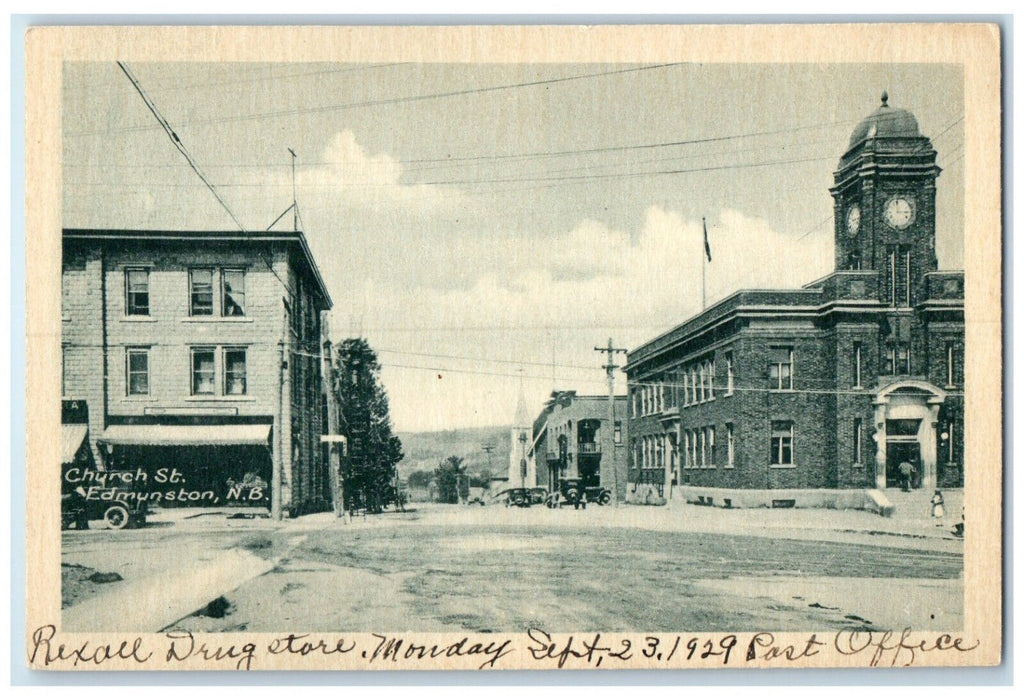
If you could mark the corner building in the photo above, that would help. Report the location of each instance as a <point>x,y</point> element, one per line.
<point>831,386</point>
<point>196,351</point>
<point>572,439</point>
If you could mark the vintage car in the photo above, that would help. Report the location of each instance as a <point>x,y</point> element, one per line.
<point>522,497</point>
<point>571,492</point>
<point>118,508</point>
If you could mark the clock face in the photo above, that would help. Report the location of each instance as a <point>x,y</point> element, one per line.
<point>899,212</point>
<point>853,220</point>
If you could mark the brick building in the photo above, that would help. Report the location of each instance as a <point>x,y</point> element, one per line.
<point>196,353</point>
<point>571,440</point>
<point>831,386</point>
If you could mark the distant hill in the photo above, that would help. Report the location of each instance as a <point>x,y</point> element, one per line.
<point>424,451</point>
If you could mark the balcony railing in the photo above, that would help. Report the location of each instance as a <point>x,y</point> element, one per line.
<point>588,448</point>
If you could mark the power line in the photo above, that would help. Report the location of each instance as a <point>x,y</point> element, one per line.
<point>479,359</point>
<point>387,101</point>
<point>195,167</point>
<point>582,178</point>
<point>177,142</point>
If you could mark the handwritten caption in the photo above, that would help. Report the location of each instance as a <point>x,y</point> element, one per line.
<point>539,649</point>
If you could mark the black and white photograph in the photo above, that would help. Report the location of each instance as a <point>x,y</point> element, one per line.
<point>651,358</point>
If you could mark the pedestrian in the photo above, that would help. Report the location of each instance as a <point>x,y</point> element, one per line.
<point>906,472</point>
<point>938,503</point>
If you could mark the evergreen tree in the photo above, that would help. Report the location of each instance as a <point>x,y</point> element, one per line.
<point>374,450</point>
<point>452,482</point>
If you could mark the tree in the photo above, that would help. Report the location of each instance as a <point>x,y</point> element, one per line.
<point>420,479</point>
<point>450,477</point>
<point>374,450</point>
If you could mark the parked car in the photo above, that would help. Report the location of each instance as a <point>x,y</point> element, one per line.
<point>572,491</point>
<point>116,507</point>
<point>523,497</point>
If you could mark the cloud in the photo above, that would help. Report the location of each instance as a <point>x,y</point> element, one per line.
<point>595,275</point>
<point>347,163</point>
<point>349,180</point>
<point>577,288</point>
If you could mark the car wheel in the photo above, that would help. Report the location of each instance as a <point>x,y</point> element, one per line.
<point>116,517</point>
<point>604,499</point>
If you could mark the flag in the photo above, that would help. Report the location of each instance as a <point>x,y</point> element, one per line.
<point>707,246</point>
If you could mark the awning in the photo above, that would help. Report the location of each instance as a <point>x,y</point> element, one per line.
<point>71,437</point>
<point>166,435</point>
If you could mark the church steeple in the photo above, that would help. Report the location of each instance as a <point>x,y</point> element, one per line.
<point>521,470</point>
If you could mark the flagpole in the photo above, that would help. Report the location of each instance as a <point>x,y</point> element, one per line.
<point>704,269</point>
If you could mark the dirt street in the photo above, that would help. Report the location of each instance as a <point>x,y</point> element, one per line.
<point>497,569</point>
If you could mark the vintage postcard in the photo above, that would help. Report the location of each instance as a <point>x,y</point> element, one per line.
<point>514,347</point>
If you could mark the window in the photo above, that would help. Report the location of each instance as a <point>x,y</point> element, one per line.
<point>950,442</point>
<point>686,388</point>
<point>782,443</point>
<point>234,371</point>
<point>136,285</point>
<point>892,277</point>
<point>712,461</point>
<point>711,379</point>
<point>730,445</point>
<point>857,435</point>
<point>730,381</point>
<point>203,371</point>
<point>63,370</point>
<point>618,432</point>
<point>233,293</point>
<point>137,368</point>
<point>780,368</point>
<point>200,283</point>
<point>857,365</point>
<point>950,364</point>
<point>897,358</point>
<point>906,261</point>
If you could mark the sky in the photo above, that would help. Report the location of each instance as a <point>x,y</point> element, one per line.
<point>486,226</point>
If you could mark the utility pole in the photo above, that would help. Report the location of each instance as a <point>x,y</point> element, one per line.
<point>295,200</point>
<point>488,449</point>
<point>609,432</point>
<point>333,418</point>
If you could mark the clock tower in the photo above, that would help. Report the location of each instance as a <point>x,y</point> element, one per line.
<point>884,196</point>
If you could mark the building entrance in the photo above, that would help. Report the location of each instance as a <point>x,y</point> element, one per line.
<point>906,418</point>
<point>899,453</point>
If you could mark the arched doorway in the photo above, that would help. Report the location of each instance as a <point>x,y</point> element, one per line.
<point>906,419</point>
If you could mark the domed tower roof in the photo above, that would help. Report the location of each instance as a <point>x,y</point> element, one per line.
<point>887,123</point>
